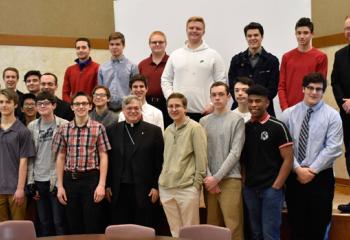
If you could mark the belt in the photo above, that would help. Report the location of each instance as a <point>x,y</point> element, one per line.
<point>80,175</point>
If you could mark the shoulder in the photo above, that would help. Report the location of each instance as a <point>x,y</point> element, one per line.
<point>60,121</point>
<point>290,53</point>
<point>343,51</point>
<point>331,112</point>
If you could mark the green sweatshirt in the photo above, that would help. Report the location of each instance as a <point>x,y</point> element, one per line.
<point>185,156</point>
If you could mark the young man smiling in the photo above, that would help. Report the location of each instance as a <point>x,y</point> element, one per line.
<point>317,131</point>
<point>225,135</point>
<point>32,81</point>
<point>256,63</point>
<point>81,76</point>
<point>192,69</point>
<point>139,87</point>
<point>299,62</point>
<point>81,166</point>
<point>184,168</point>
<point>16,147</point>
<point>267,159</point>
<point>42,170</point>
<point>116,73</point>
<point>101,97</point>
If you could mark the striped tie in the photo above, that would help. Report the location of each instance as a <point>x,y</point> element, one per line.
<point>304,134</point>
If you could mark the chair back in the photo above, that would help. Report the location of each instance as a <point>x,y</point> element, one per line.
<point>17,229</point>
<point>205,232</point>
<point>129,231</point>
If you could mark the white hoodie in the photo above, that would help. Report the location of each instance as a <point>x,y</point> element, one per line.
<point>191,72</point>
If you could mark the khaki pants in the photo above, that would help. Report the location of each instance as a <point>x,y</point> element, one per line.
<point>181,207</point>
<point>226,209</point>
<point>9,210</point>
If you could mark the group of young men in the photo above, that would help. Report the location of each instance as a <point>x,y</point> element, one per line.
<point>87,167</point>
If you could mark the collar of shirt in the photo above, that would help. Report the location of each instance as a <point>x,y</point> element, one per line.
<point>257,54</point>
<point>314,108</point>
<point>14,127</point>
<point>262,120</point>
<point>83,64</point>
<point>164,59</point>
<point>118,59</point>
<point>72,124</point>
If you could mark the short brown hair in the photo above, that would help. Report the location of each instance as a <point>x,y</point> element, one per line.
<point>78,94</point>
<point>156,33</point>
<point>138,77</point>
<point>218,84</point>
<point>196,19</point>
<point>178,96</point>
<point>10,95</point>
<point>13,69</point>
<point>51,74</point>
<point>116,35</point>
<point>83,39</point>
<point>108,93</point>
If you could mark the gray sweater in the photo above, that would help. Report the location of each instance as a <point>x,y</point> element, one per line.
<point>226,135</point>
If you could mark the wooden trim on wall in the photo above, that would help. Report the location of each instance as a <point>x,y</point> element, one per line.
<point>46,41</point>
<point>330,40</point>
<point>97,43</point>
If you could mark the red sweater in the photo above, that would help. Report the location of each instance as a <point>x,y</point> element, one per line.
<point>295,65</point>
<point>76,80</point>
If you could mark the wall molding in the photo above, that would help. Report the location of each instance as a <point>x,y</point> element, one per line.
<point>329,40</point>
<point>48,41</point>
<point>97,43</point>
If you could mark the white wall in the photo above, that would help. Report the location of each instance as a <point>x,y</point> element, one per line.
<point>225,20</point>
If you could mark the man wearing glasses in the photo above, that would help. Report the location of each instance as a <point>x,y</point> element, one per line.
<point>137,158</point>
<point>184,168</point>
<point>101,97</point>
<point>81,166</point>
<point>152,68</point>
<point>317,134</point>
<point>42,170</point>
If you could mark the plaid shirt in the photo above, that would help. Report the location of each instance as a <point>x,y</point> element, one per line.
<point>81,145</point>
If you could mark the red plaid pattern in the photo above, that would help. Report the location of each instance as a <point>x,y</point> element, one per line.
<point>81,145</point>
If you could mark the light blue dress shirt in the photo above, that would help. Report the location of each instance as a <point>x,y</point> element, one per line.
<point>115,75</point>
<point>325,135</point>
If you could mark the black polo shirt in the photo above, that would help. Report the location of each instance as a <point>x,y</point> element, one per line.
<point>261,156</point>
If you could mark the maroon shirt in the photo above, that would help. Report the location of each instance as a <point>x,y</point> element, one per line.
<point>153,73</point>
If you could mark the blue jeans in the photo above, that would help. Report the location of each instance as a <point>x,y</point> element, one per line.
<point>264,209</point>
<point>50,211</point>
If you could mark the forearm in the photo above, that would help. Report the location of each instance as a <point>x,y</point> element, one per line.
<point>22,173</point>
<point>60,160</point>
<point>103,169</point>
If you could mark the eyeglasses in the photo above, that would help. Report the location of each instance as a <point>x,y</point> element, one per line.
<point>29,105</point>
<point>130,109</point>
<point>157,42</point>
<point>99,94</point>
<point>313,89</point>
<point>78,104</point>
<point>175,106</point>
<point>43,104</point>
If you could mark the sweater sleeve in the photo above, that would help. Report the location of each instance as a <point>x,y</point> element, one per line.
<point>322,65</point>
<point>200,152</point>
<point>167,79</point>
<point>237,139</point>
<point>219,73</point>
<point>66,88</point>
<point>282,94</point>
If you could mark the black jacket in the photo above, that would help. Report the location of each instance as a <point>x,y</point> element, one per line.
<point>265,73</point>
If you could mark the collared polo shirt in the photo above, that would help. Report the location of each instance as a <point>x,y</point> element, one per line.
<point>261,155</point>
<point>153,73</point>
<point>15,143</point>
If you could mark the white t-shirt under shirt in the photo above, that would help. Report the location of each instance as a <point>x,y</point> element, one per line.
<point>246,116</point>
